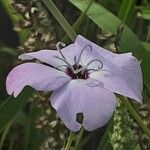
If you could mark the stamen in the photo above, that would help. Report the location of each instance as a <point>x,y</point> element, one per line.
<point>77,62</point>
<point>61,66</point>
<point>78,70</point>
<point>94,60</point>
<point>92,70</point>
<point>84,68</point>
<point>58,46</point>
<point>64,62</point>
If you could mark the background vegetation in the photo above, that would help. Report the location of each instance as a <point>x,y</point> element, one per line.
<point>29,122</point>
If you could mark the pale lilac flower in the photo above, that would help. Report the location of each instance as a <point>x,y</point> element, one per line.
<point>84,78</point>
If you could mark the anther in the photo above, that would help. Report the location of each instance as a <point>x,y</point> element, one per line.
<point>58,46</point>
<point>92,70</point>
<point>94,60</point>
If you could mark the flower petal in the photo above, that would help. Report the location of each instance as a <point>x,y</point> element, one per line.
<point>92,52</point>
<point>81,42</point>
<point>121,73</point>
<point>96,104</point>
<point>36,75</point>
<point>67,102</point>
<point>123,76</point>
<point>49,56</point>
<point>99,106</point>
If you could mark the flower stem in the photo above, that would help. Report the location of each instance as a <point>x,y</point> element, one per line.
<point>70,139</point>
<point>77,145</point>
<point>135,115</point>
<point>105,139</point>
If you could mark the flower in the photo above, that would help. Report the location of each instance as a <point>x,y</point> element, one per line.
<point>83,78</point>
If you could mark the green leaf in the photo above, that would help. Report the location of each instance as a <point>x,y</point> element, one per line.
<point>34,137</point>
<point>12,106</point>
<point>126,10</point>
<point>60,18</point>
<point>129,41</point>
<point>15,18</point>
<point>147,46</point>
<point>104,143</point>
<point>146,13</point>
<point>7,6</point>
<point>28,127</point>
<point>137,147</point>
<point>135,115</point>
<point>79,138</point>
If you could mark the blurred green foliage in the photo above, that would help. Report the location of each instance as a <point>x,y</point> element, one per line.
<point>22,31</point>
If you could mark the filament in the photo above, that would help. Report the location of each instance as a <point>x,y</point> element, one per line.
<point>59,49</point>
<point>63,57</point>
<point>94,60</point>
<point>77,62</point>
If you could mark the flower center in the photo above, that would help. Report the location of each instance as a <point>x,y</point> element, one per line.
<point>78,73</point>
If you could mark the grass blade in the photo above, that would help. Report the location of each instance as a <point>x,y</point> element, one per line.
<point>136,117</point>
<point>60,18</point>
<point>126,11</point>
<point>80,20</point>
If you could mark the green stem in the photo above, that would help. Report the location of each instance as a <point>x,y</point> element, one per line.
<point>60,18</point>
<point>79,20</point>
<point>126,11</point>
<point>11,143</point>
<point>84,141</point>
<point>105,138</point>
<point>28,127</point>
<point>70,139</point>
<point>77,145</point>
<point>135,115</point>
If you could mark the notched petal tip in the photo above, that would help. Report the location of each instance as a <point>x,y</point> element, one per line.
<point>93,106</point>
<point>11,89</point>
<point>37,76</point>
<point>8,84</point>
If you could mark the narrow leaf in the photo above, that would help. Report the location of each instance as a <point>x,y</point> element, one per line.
<point>79,21</point>
<point>60,18</point>
<point>135,115</point>
<point>126,10</point>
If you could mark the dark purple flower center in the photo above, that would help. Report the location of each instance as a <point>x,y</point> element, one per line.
<point>77,71</point>
<point>83,74</point>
